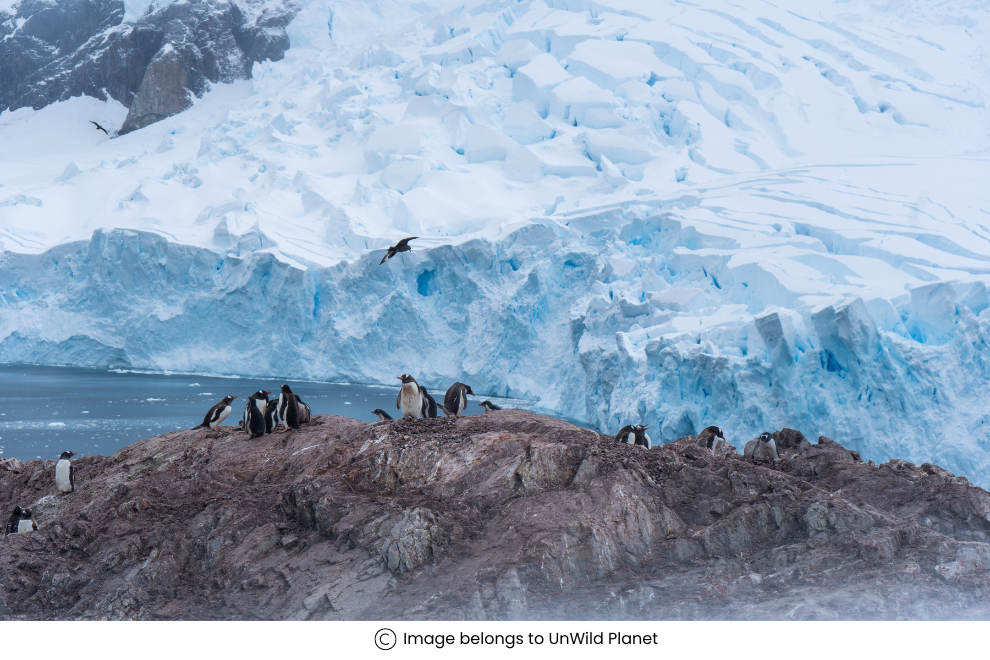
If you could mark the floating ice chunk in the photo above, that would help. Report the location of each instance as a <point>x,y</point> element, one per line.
<point>524,126</point>
<point>572,99</point>
<point>516,53</point>
<point>402,175</point>
<point>617,148</point>
<point>70,171</point>
<point>534,81</point>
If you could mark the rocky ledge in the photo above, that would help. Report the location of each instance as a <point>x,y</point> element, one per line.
<point>508,515</point>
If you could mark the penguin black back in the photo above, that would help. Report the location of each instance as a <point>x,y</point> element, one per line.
<point>288,409</point>
<point>271,415</point>
<point>217,413</point>
<point>429,403</point>
<point>489,406</point>
<point>382,415</point>
<point>455,400</point>
<point>624,434</point>
<point>254,414</point>
<point>13,521</point>
<point>708,435</point>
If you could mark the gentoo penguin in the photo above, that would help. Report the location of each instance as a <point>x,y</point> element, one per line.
<point>288,409</point>
<point>217,413</point>
<point>766,448</point>
<point>382,415</point>
<point>27,523</point>
<point>254,414</point>
<point>271,415</point>
<point>633,435</point>
<point>707,437</point>
<point>626,435</point>
<point>305,413</point>
<point>401,246</point>
<point>410,398</point>
<point>13,521</point>
<point>65,477</point>
<point>429,403</point>
<point>642,439</point>
<point>455,400</point>
<point>489,406</point>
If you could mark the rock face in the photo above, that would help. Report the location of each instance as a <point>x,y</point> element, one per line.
<point>507,515</point>
<point>51,51</point>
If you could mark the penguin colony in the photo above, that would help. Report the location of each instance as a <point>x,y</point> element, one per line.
<point>263,415</point>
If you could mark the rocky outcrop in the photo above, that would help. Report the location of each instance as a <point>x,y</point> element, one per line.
<point>500,516</point>
<point>51,51</point>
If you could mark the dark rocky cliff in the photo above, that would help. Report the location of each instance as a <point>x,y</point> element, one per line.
<point>505,515</point>
<point>52,50</point>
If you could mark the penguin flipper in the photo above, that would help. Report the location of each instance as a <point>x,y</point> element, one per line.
<point>72,478</point>
<point>398,400</point>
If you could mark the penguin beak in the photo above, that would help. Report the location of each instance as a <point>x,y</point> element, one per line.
<point>72,453</point>
<point>399,377</point>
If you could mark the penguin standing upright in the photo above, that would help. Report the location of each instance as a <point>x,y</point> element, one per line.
<point>429,403</point>
<point>288,409</point>
<point>271,415</point>
<point>13,521</point>
<point>409,401</point>
<point>217,413</point>
<point>27,523</point>
<point>65,477</point>
<point>641,438</point>
<point>382,415</point>
<point>489,406</point>
<point>254,414</point>
<point>455,400</point>
<point>766,448</point>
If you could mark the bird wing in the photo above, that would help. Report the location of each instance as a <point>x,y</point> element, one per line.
<point>388,255</point>
<point>450,398</point>
<point>405,241</point>
<point>72,477</point>
<point>398,400</point>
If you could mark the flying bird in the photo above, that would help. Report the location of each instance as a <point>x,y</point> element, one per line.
<point>98,127</point>
<point>401,246</point>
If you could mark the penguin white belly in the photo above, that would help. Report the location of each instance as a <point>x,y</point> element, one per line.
<point>62,475</point>
<point>25,526</point>
<point>411,402</point>
<point>221,417</point>
<point>649,443</point>
<point>630,438</point>
<point>463,407</point>
<point>766,451</point>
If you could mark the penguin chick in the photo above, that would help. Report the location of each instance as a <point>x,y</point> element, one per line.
<point>766,448</point>
<point>64,473</point>
<point>489,406</point>
<point>429,403</point>
<point>382,415</point>
<point>254,414</point>
<point>455,400</point>
<point>707,437</point>
<point>401,246</point>
<point>409,401</point>
<point>217,413</point>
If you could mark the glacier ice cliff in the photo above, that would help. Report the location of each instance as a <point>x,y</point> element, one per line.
<point>538,315</point>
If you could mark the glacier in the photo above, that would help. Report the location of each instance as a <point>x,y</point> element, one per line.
<point>629,211</point>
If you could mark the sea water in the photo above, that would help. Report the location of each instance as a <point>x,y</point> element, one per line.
<point>45,410</point>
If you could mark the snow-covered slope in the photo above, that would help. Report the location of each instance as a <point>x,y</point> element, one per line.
<point>748,215</point>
